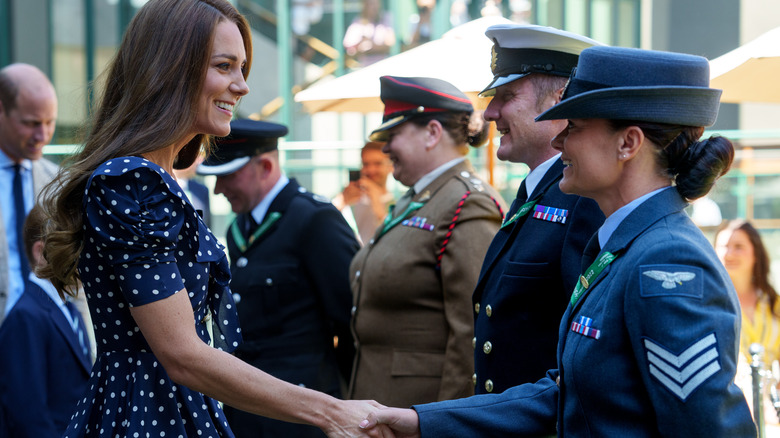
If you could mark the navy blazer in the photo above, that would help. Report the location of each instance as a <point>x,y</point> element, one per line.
<point>43,371</point>
<point>650,349</point>
<point>524,287</point>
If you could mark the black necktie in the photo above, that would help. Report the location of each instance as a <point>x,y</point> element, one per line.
<point>520,199</point>
<point>21,213</point>
<point>250,226</point>
<point>403,203</point>
<point>592,250</point>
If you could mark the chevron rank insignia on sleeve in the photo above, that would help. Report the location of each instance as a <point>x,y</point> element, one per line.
<point>683,373</point>
<point>666,280</point>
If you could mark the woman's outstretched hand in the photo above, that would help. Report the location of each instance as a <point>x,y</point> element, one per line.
<point>347,417</point>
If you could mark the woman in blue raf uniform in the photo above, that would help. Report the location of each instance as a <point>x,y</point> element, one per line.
<point>155,277</point>
<point>648,345</point>
<point>412,282</point>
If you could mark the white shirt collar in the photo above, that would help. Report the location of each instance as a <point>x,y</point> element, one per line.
<point>536,175</point>
<point>258,213</point>
<point>435,173</point>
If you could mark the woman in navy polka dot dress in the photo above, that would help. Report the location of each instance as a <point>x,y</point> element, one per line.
<point>155,277</point>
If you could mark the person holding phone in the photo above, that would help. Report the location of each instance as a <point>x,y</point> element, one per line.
<point>365,200</point>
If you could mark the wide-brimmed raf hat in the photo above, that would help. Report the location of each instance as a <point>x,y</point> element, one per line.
<point>619,83</point>
<point>405,98</point>
<point>519,50</point>
<point>247,138</point>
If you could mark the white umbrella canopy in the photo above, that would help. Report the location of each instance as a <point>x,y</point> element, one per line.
<point>461,56</point>
<point>747,73</point>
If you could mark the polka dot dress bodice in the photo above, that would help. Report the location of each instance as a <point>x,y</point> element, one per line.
<point>143,242</point>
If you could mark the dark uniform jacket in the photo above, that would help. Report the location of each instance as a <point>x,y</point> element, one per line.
<point>412,291</point>
<point>527,278</point>
<point>44,369</point>
<point>648,350</point>
<point>292,295</point>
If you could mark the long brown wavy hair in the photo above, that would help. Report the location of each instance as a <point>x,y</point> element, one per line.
<point>760,279</point>
<point>149,102</point>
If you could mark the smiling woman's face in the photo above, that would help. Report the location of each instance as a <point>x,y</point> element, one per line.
<point>224,84</point>
<point>589,150</point>
<point>406,147</point>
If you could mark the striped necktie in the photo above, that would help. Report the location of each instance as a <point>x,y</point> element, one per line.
<point>77,324</point>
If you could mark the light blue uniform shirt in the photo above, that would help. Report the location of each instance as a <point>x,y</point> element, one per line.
<point>7,173</point>
<point>614,220</point>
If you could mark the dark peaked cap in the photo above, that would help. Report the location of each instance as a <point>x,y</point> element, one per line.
<point>247,138</point>
<point>405,98</point>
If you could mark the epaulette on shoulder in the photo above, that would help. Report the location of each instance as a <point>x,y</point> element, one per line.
<point>313,196</point>
<point>472,182</point>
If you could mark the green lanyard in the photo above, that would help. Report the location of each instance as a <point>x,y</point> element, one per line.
<point>238,236</point>
<point>591,273</point>
<point>389,222</point>
<point>527,207</point>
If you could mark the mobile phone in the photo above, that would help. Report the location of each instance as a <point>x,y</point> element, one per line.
<point>354,175</point>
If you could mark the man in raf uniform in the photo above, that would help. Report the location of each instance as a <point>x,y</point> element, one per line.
<point>290,252</point>
<point>532,265</point>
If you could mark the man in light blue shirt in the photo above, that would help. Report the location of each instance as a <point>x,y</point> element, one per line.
<point>28,113</point>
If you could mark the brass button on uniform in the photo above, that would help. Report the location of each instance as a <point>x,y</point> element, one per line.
<point>476,307</point>
<point>489,310</point>
<point>353,311</point>
<point>487,347</point>
<point>269,281</point>
<point>474,378</point>
<point>489,385</point>
<point>474,342</point>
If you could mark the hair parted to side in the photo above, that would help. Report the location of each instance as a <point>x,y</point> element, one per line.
<point>762,264</point>
<point>149,100</point>
<point>693,165</point>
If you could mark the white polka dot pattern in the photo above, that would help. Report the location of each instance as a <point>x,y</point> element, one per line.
<point>143,241</point>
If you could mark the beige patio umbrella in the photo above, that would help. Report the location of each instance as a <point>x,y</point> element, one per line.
<point>749,73</point>
<point>461,56</point>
